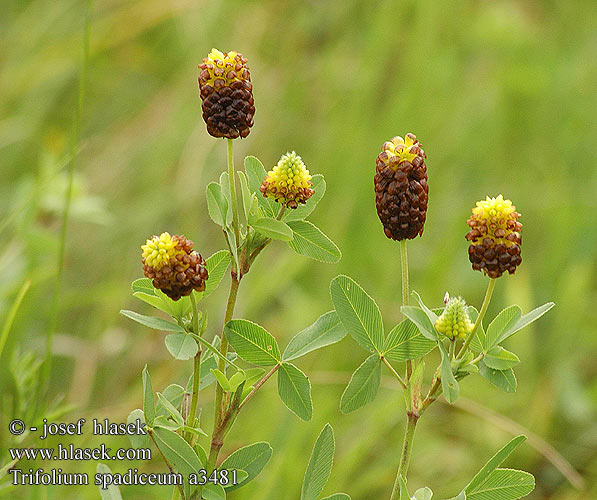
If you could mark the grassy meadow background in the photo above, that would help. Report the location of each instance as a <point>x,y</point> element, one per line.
<point>502,95</point>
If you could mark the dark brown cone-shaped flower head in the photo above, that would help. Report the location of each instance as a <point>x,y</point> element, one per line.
<point>401,191</point>
<point>289,182</point>
<point>495,237</point>
<point>226,94</point>
<point>173,266</point>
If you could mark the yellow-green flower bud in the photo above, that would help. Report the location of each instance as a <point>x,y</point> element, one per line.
<point>173,266</point>
<point>227,94</point>
<point>454,322</point>
<point>289,182</point>
<point>495,237</point>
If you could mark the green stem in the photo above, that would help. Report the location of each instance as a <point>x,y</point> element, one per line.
<point>195,397</point>
<point>394,372</point>
<point>484,306</point>
<point>53,322</point>
<point>216,443</point>
<point>232,182</point>
<point>404,263</point>
<point>195,313</point>
<point>258,385</point>
<point>409,435</point>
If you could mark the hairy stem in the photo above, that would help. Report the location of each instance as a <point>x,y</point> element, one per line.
<point>409,435</point>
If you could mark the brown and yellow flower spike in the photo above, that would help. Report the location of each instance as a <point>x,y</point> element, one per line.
<point>173,266</point>
<point>227,94</point>
<point>401,190</point>
<point>289,182</point>
<point>495,237</point>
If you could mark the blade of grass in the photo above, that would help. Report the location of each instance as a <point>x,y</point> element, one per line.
<point>47,368</point>
<point>12,314</point>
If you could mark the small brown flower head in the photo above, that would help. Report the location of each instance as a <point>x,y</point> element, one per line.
<point>495,237</point>
<point>173,266</point>
<point>401,191</point>
<point>226,94</point>
<point>289,182</point>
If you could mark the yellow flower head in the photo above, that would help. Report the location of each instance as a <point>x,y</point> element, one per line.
<point>173,266</point>
<point>495,237</point>
<point>289,182</point>
<point>454,322</point>
<point>497,219</point>
<point>223,68</point>
<point>401,149</point>
<point>160,251</point>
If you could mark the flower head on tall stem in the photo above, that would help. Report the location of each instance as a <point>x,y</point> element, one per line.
<point>495,237</point>
<point>173,266</point>
<point>401,190</point>
<point>227,94</point>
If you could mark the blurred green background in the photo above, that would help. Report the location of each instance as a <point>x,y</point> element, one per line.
<point>501,95</point>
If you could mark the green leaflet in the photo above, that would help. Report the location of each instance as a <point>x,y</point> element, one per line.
<point>478,342</point>
<point>504,321</point>
<point>217,265</point>
<point>213,492</point>
<point>423,494</point>
<point>499,359</point>
<point>251,459</point>
<point>325,331</point>
<point>358,312</point>
<point>303,211</point>
<point>450,387</point>
<point>420,318</point>
<point>255,175</point>
<point>217,204</point>
<point>178,452</point>
<point>310,241</point>
<point>112,492</point>
<point>151,322</point>
<point>181,345</point>
<point>252,342</point>
<point>320,465</point>
<point>525,320</point>
<point>174,413</point>
<point>272,228</point>
<point>406,342</point>
<point>502,379</point>
<point>148,402</point>
<point>294,389</point>
<point>503,484</point>
<point>494,462</point>
<point>363,385</point>
<point>138,440</point>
